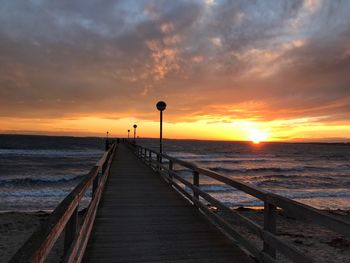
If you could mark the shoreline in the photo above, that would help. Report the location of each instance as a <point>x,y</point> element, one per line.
<point>316,241</point>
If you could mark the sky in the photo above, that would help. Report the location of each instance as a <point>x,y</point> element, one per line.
<point>228,70</point>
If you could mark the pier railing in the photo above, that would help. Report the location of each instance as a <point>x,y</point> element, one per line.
<point>65,219</point>
<point>164,164</point>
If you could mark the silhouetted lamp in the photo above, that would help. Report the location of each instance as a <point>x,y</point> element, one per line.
<point>128,134</point>
<point>161,105</point>
<point>135,126</point>
<point>107,141</point>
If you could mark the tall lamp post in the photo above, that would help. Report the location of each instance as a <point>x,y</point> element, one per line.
<point>161,107</point>
<point>128,135</point>
<point>135,126</point>
<point>107,142</point>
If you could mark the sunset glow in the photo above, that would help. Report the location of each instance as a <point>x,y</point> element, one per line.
<point>257,136</point>
<point>261,72</point>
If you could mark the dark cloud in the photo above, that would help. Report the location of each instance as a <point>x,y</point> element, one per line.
<point>288,59</point>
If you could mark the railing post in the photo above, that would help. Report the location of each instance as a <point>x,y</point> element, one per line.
<point>170,169</point>
<point>71,230</point>
<point>195,183</point>
<point>158,164</point>
<point>270,213</point>
<point>150,158</point>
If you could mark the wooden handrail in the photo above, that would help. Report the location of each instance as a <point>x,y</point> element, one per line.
<point>40,243</point>
<point>271,201</point>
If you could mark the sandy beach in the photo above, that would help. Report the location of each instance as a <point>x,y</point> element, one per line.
<point>16,227</point>
<point>315,241</point>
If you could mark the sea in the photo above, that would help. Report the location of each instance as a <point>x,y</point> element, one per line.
<point>37,172</point>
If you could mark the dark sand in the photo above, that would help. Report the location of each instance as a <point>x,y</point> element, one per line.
<point>16,228</point>
<point>318,242</point>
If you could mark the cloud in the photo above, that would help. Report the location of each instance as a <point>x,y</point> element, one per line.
<point>228,59</point>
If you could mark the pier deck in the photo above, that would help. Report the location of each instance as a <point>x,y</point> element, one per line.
<point>142,219</point>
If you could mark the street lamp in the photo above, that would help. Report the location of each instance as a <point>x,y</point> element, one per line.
<point>135,126</point>
<point>128,134</point>
<point>161,107</point>
<point>107,142</point>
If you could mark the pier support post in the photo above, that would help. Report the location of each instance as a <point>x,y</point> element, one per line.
<point>71,230</point>
<point>270,213</point>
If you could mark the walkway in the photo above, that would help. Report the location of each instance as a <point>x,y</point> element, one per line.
<point>142,219</point>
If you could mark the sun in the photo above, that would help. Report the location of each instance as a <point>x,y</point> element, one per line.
<point>256,136</point>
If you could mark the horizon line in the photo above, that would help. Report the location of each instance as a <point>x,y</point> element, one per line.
<point>295,140</point>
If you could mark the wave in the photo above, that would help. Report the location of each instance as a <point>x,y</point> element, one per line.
<point>217,188</point>
<point>272,183</point>
<point>239,200</point>
<point>49,153</point>
<point>297,184</point>
<point>40,181</point>
<point>316,194</point>
<point>280,169</point>
<point>262,169</point>
<point>36,194</point>
<point>233,161</point>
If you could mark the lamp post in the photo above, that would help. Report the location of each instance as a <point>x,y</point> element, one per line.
<point>161,107</point>
<point>135,126</point>
<point>128,135</point>
<point>107,142</point>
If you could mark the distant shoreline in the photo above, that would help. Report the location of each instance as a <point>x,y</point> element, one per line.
<point>339,141</point>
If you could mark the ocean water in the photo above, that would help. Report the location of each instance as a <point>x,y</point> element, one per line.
<point>311,173</point>
<point>37,172</point>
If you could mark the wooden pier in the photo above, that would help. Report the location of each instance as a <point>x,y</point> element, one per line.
<point>142,210</point>
<point>142,219</point>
